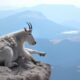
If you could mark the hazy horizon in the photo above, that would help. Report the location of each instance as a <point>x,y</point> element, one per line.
<point>15,4</point>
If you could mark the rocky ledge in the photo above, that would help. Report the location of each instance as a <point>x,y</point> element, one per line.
<point>40,71</point>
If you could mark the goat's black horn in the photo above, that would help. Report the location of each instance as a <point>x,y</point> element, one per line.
<point>30,25</point>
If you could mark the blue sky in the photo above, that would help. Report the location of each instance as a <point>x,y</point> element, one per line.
<point>30,3</point>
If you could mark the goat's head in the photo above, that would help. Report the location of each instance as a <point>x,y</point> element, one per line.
<point>28,34</point>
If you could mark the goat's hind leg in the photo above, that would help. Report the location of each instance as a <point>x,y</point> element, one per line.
<point>9,57</point>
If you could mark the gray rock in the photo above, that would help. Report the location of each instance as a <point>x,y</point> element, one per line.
<point>26,71</point>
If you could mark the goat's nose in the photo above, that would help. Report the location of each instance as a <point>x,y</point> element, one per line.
<point>34,42</point>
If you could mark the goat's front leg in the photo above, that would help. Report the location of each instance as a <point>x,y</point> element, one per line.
<point>31,51</point>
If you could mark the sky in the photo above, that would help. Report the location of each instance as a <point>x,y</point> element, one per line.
<point>30,3</point>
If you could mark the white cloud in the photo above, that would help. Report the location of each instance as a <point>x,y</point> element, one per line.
<point>71,32</point>
<point>56,41</point>
<point>23,3</point>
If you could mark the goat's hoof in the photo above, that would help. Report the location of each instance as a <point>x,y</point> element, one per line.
<point>42,54</point>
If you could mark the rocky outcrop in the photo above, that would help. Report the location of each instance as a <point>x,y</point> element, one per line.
<point>26,71</point>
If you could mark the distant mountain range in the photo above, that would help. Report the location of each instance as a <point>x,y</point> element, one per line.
<point>62,14</point>
<point>57,13</point>
<point>51,18</point>
<point>42,27</point>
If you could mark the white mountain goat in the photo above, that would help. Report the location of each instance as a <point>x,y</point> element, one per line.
<point>16,49</point>
<point>9,54</point>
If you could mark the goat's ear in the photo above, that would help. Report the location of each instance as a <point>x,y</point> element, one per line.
<point>25,29</point>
